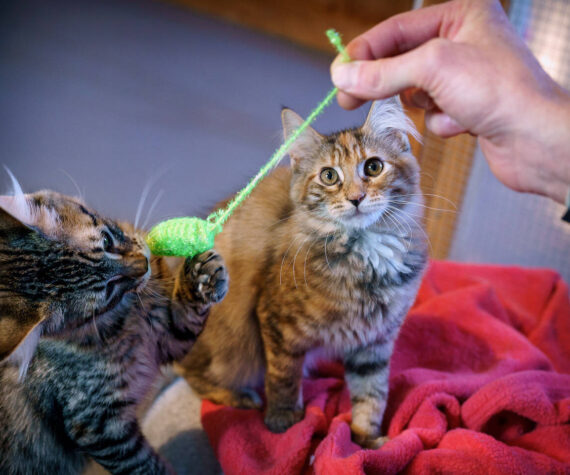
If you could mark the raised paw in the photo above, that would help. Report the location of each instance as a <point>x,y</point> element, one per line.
<point>207,277</point>
<point>279,420</point>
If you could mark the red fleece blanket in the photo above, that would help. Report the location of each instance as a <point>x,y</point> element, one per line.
<point>479,383</point>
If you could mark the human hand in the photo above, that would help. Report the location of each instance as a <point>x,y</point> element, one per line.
<point>465,65</point>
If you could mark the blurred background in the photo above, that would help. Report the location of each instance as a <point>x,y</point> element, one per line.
<point>105,98</point>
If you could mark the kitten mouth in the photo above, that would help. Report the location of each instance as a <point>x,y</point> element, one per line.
<point>115,289</point>
<point>361,219</point>
<point>144,280</point>
<point>357,213</point>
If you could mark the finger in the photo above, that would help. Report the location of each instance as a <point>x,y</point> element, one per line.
<point>400,33</point>
<point>443,125</point>
<point>389,76</point>
<point>348,102</point>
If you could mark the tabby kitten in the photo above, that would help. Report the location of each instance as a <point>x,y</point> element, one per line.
<point>107,322</point>
<point>328,254</point>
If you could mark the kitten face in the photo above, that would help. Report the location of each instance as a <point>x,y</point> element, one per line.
<point>73,262</point>
<point>352,178</point>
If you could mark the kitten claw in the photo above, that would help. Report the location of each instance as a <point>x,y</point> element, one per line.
<point>208,277</point>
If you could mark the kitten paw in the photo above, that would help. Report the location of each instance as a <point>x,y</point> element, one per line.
<point>279,420</point>
<point>373,443</point>
<point>207,277</point>
<point>368,439</point>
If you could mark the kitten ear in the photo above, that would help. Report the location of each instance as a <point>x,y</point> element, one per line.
<point>387,120</point>
<point>17,319</point>
<point>9,223</point>
<point>308,141</point>
<point>19,328</point>
<point>16,204</point>
<point>19,322</point>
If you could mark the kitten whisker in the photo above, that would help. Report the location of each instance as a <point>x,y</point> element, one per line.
<point>95,328</point>
<point>305,263</point>
<point>388,214</point>
<point>293,214</point>
<point>425,206</point>
<point>146,314</point>
<point>140,301</point>
<point>151,209</point>
<point>146,190</point>
<point>326,256</point>
<point>433,196</point>
<point>393,210</point>
<point>152,293</point>
<point>420,227</point>
<point>142,200</point>
<point>422,215</point>
<point>429,175</point>
<point>80,194</point>
<point>408,236</point>
<point>306,256</point>
<point>295,258</point>
<point>283,260</point>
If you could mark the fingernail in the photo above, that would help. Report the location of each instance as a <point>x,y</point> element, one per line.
<point>344,75</point>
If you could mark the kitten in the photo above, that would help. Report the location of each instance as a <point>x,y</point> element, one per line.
<point>107,323</point>
<point>328,254</point>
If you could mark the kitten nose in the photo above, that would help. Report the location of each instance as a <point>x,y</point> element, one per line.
<point>137,265</point>
<point>356,201</point>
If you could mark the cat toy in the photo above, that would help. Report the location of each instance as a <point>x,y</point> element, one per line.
<point>189,236</point>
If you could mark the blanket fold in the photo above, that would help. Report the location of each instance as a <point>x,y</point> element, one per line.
<point>480,383</point>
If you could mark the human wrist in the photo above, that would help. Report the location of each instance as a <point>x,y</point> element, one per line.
<point>555,168</point>
<point>538,147</point>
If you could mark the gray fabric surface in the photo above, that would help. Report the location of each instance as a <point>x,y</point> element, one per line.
<point>173,425</point>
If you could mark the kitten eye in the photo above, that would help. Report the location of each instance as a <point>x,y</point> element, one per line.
<point>107,241</point>
<point>329,176</point>
<point>373,166</point>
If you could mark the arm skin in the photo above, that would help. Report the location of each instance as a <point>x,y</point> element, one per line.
<point>463,63</point>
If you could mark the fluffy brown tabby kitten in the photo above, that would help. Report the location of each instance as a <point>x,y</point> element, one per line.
<point>328,254</point>
<point>103,319</point>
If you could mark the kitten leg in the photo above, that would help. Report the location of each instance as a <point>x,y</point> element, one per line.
<point>367,370</point>
<point>117,444</point>
<point>283,386</point>
<point>201,282</point>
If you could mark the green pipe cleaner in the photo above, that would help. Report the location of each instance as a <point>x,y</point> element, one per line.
<point>187,237</point>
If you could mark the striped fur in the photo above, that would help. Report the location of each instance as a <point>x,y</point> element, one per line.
<point>313,270</point>
<point>108,321</point>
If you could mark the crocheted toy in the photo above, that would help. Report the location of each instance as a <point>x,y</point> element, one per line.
<point>187,237</point>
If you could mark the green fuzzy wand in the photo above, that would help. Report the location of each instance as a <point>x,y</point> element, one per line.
<point>187,237</point>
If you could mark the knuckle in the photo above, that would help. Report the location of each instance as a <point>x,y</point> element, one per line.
<point>438,52</point>
<point>369,76</point>
<point>436,61</point>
